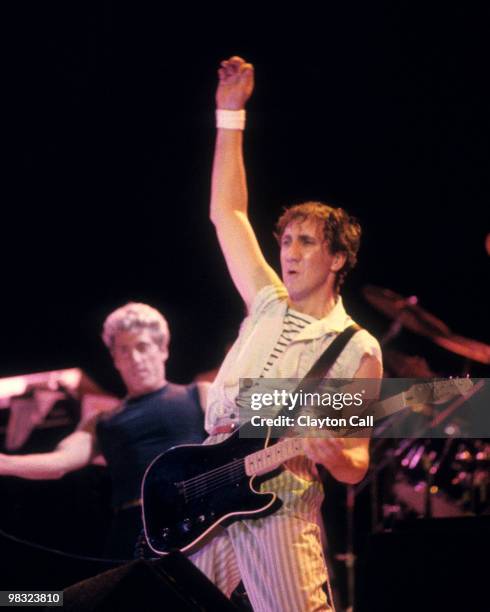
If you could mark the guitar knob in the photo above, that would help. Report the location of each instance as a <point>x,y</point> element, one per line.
<point>165,533</point>
<point>187,525</point>
<point>201,518</point>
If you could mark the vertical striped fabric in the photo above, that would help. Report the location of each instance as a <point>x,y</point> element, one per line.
<point>279,558</point>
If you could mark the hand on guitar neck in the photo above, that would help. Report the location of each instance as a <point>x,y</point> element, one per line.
<point>345,458</point>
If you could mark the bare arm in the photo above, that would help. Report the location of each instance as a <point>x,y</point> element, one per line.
<point>229,198</point>
<point>347,459</point>
<point>72,453</point>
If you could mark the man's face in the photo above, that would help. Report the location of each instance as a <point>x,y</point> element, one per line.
<point>308,267</point>
<point>139,360</point>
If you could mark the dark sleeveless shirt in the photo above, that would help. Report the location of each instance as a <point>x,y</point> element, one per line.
<point>145,427</point>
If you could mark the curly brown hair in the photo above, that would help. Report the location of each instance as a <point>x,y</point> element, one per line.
<point>341,231</point>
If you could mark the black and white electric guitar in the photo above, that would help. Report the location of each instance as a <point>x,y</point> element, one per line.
<point>191,489</point>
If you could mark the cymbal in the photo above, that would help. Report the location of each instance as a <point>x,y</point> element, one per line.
<point>409,314</point>
<point>406,311</point>
<point>472,349</point>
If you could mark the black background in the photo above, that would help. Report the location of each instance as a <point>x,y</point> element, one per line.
<point>379,108</point>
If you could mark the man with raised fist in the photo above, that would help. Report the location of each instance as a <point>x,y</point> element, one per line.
<point>290,323</point>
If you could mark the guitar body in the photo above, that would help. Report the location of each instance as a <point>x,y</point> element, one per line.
<point>190,489</point>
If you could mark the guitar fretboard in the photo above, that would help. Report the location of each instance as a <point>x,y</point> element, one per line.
<point>272,457</point>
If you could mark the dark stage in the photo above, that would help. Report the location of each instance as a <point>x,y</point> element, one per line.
<point>108,151</point>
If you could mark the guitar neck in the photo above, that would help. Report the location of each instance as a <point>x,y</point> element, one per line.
<point>271,457</point>
<point>390,406</point>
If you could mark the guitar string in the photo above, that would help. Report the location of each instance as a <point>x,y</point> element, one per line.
<point>209,477</point>
<point>218,470</point>
<point>214,471</point>
<point>207,485</point>
<point>221,476</point>
<point>229,476</point>
<point>196,480</point>
<point>206,489</point>
<point>199,485</point>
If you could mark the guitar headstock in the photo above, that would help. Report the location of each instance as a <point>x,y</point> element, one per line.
<point>437,391</point>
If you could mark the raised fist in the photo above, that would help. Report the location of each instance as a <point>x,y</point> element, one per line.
<point>236,83</point>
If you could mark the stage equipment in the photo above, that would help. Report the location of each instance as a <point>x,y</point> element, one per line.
<point>452,472</point>
<point>407,313</point>
<point>406,366</point>
<point>57,398</point>
<point>172,583</point>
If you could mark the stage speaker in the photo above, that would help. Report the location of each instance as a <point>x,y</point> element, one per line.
<point>427,565</point>
<point>168,584</point>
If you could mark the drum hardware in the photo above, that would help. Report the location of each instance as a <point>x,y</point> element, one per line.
<point>396,327</point>
<point>425,462</point>
<point>471,465</point>
<point>391,511</point>
<point>447,481</point>
<point>349,558</point>
<point>422,492</point>
<point>408,366</point>
<point>406,312</point>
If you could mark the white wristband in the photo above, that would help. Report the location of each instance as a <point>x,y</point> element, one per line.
<point>230,119</point>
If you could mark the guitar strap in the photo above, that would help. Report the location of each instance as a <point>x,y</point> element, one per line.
<point>330,355</point>
<point>323,364</point>
<point>318,370</point>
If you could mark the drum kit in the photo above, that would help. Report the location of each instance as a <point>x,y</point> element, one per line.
<point>431,477</point>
